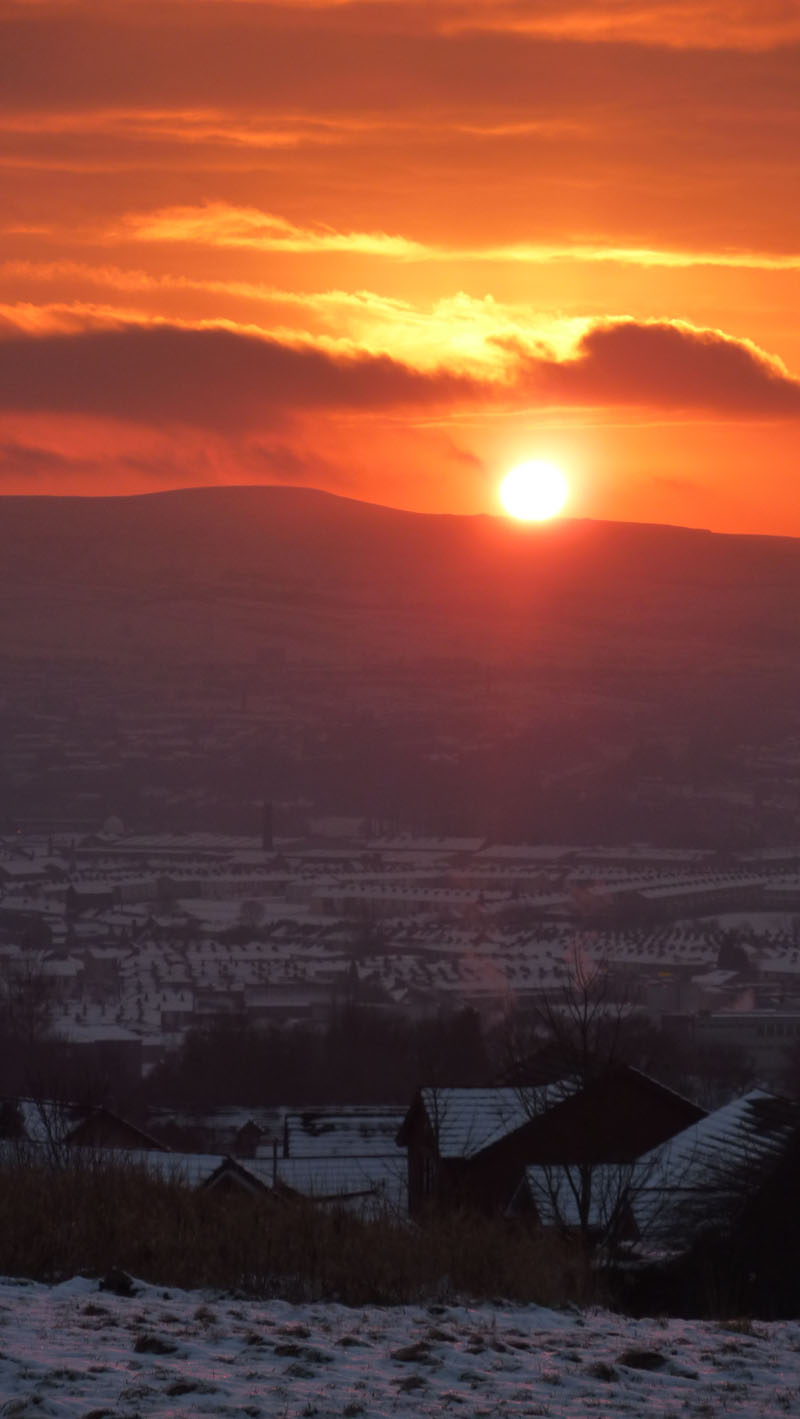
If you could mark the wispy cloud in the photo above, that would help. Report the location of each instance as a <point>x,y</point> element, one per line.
<point>191,126</point>
<point>220,224</point>
<point>34,461</point>
<point>62,317</point>
<point>271,130</point>
<point>640,256</point>
<point>680,24</point>
<point>461,331</point>
<point>672,23</point>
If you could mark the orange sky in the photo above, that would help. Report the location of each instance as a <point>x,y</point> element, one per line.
<point>392,248</point>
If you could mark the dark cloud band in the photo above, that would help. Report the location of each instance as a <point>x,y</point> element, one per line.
<point>230,382</point>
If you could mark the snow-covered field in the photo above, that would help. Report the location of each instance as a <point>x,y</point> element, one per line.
<point>77,1350</point>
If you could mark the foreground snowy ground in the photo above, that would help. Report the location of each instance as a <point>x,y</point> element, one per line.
<point>78,1350</point>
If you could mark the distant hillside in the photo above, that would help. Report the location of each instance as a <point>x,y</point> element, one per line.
<point>308,570</point>
<point>581,681</point>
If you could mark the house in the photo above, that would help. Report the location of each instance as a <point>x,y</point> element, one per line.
<point>705,1221</point>
<point>50,1123</point>
<point>715,1213</point>
<point>101,1128</point>
<point>247,1139</point>
<point>701,1180</point>
<point>86,897</point>
<point>336,1157</point>
<point>369,1186</point>
<point>26,873</point>
<point>470,1147</point>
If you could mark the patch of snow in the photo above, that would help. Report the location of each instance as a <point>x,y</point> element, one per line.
<point>74,1349</point>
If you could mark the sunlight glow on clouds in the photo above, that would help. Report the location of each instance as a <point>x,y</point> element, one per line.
<point>217,224</point>
<point>220,225</point>
<point>393,245</point>
<point>737,24</point>
<point>223,376</point>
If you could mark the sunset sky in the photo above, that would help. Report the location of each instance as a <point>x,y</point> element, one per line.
<point>391,249</point>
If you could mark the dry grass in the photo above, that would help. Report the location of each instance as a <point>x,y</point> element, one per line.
<point>92,1218</point>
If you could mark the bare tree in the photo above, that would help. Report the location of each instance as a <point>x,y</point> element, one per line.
<point>576,1028</point>
<point>26,1020</point>
<point>26,1002</point>
<point>574,1034</point>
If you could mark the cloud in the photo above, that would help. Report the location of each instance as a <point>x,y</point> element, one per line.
<point>679,24</point>
<point>670,365</point>
<point>292,463</point>
<point>220,224</point>
<point>459,331</point>
<point>361,59</point>
<point>480,135</point>
<point>464,456</point>
<point>189,126</point>
<point>33,461</point>
<point>211,378</point>
<point>545,254</point>
<point>60,317</point>
<point>704,24</point>
<point>238,383</point>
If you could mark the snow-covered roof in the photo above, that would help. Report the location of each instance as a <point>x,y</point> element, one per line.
<point>97,1031</point>
<point>344,1133</point>
<point>701,1178</point>
<point>406,842</point>
<point>327,1178</point>
<point>556,1192</point>
<point>716,978</point>
<point>466,1121</point>
<point>367,1185</point>
<point>186,1169</point>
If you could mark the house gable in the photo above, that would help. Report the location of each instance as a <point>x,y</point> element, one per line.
<point>469,1147</point>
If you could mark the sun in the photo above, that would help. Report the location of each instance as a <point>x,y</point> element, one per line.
<point>534,491</point>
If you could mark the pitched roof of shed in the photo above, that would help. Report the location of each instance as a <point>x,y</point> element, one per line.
<point>700,1179</point>
<point>366,1185</point>
<point>333,1177</point>
<point>555,1191</point>
<point>48,1121</point>
<point>466,1121</point>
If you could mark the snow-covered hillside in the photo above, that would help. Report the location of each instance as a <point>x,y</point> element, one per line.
<point>78,1350</point>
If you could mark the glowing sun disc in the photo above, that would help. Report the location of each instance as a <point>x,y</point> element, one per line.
<point>534,491</point>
